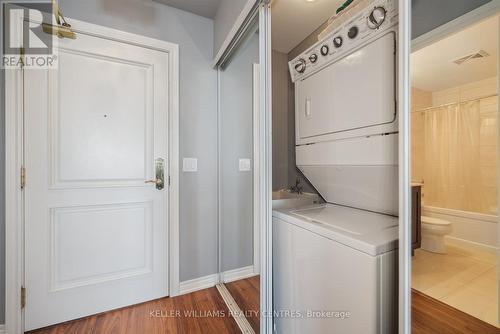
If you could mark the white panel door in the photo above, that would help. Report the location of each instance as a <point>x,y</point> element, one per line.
<point>95,232</point>
<point>357,91</point>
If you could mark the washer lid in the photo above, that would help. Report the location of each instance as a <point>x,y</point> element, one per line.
<point>368,232</point>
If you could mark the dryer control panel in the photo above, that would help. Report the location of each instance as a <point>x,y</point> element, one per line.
<point>369,23</point>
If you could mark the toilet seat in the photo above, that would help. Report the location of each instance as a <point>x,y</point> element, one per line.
<point>435,225</point>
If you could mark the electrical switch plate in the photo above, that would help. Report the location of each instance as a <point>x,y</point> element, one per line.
<point>245,165</point>
<point>189,165</point>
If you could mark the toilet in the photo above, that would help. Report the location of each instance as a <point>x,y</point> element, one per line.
<point>433,232</point>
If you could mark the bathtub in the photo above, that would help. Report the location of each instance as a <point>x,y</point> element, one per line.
<point>284,199</point>
<point>476,229</point>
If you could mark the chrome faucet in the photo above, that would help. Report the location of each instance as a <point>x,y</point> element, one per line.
<point>297,188</point>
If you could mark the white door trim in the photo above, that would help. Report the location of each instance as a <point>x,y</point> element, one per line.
<point>13,163</point>
<point>487,10</point>
<point>266,169</point>
<point>256,169</point>
<point>404,101</point>
<point>231,35</point>
<point>498,189</point>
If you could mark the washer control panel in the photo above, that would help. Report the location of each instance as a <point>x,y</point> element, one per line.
<point>370,22</point>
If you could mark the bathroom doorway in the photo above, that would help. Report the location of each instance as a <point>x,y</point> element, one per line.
<point>455,171</point>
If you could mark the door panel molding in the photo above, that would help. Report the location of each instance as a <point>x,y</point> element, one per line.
<point>14,160</point>
<point>59,259</point>
<point>57,128</point>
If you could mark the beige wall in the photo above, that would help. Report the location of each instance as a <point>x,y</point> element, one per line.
<point>455,147</point>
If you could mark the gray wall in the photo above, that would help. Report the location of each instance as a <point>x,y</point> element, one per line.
<point>236,136</point>
<point>227,13</point>
<point>281,118</point>
<point>198,113</point>
<point>293,172</point>
<point>430,14</point>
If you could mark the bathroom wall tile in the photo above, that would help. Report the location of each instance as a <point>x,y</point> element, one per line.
<point>479,89</point>
<point>450,95</point>
<point>420,99</point>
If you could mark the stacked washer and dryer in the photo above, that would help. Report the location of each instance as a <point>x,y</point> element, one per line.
<point>335,265</point>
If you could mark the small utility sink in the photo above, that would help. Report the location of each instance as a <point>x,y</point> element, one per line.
<point>284,199</point>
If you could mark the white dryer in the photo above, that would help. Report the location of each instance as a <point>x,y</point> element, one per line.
<point>341,257</point>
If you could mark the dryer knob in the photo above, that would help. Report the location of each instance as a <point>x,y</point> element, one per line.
<point>313,58</point>
<point>300,66</point>
<point>377,17</point>
<point>353,32</point>
<point>324,50</point>
<point>337,41</point>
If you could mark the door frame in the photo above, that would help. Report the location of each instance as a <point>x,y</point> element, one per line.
<point>14,229</point>
<point>404,102</point>
<point>485,11</point>
<point>256,169</point>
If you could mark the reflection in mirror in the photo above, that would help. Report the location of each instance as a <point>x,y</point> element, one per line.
<point>238,225</point>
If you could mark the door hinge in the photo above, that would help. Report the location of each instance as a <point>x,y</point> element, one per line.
<point>169,180</point>
<point>23,297</point>
<point>23,177</point>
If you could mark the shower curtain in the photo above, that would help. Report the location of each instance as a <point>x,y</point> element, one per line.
<point>459,156</point>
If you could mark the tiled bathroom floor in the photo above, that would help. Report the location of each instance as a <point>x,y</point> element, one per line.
<point>465,278</point>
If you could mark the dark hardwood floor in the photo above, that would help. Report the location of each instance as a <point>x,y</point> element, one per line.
<point>138,319</point>
<point>246,293</point>
<point>430,316</point>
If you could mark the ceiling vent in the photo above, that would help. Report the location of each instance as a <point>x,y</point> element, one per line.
<point>476,55</point>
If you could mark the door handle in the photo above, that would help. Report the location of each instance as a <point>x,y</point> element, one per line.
<point>155,181</point>
<point>308,112</point>
<point>159,181</point>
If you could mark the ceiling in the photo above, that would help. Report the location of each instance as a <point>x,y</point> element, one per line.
<point>432,67</point>
<point>294,20</point>
<point>206,8</point>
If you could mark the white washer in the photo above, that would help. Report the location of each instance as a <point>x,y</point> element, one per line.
<point>334,259</point>
<point>342,256</point>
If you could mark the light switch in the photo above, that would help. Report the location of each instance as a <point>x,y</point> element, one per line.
<point>245,165</point>
<point>189,165</point>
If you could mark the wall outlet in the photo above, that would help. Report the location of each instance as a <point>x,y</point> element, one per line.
<point>189,165</point>
<point>245,165</point>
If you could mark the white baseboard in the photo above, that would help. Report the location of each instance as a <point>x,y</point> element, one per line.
<point>471,244</point>
<point>237,274</point>
<point>209,281</point>
<point>199,283</point>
